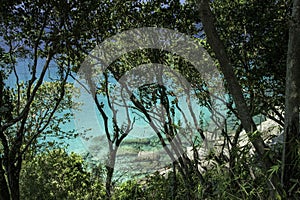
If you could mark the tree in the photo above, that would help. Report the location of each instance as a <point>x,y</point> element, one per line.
<point>40,123</point>
<point>128,15</point>
<point>46,33</point>
<point>290,161</point>
<point>116,130</point>
<point>228,60</point>
<point>34,36</point>
<point>234,87</point>
<point>255,34</point>
<point>227,69</point>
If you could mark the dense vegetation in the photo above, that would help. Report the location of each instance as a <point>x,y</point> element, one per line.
<point>254,45</point>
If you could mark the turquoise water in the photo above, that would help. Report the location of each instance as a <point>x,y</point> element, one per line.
<point>24,75</point>
<point>88,123</point>
<point>135,147</point>
<point>141,152</point>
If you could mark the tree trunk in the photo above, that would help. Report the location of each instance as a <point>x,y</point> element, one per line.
<point>110,172</point>
<point>108,182</point>
<point>174,183</point>
<point>10,188</point>
<point>292,102</point>
<point>4,192</point>
<point>13,178</point>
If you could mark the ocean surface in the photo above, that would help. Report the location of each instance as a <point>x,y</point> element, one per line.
<point>141,151</point>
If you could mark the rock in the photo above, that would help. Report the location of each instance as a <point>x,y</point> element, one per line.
<point>147,156</point>
<point>271,134</point>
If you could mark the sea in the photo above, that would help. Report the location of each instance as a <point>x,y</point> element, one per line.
<point>141,151</point>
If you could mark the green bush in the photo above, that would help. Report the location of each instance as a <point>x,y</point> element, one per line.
<point>58,175</point>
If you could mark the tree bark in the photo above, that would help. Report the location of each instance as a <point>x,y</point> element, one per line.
<point>13,174</point>
<point>110,172</point>
<point>4,192</point>
<point>292,102</point>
